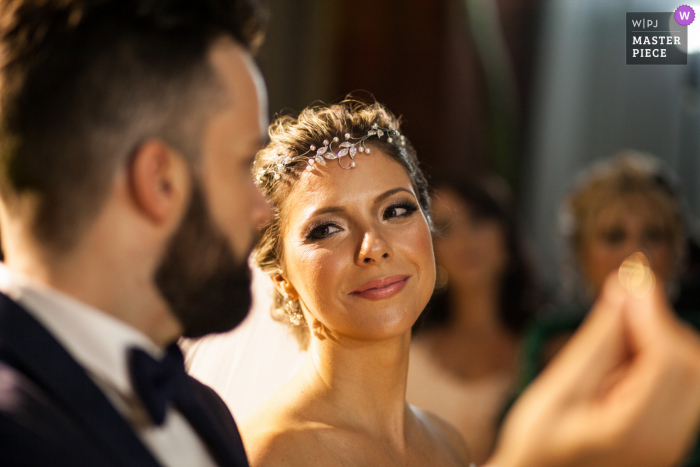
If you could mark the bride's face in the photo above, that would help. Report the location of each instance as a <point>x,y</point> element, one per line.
<point>357,248</point>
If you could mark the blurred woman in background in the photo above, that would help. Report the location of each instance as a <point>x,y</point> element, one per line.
<point>465,353</point>
<point>622,205</point>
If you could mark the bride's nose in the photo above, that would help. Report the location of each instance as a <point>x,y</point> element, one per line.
<point>373,249</point>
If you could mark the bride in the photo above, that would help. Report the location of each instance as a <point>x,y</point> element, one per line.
<point>350,252</point>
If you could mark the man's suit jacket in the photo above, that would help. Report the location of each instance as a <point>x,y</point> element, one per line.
<point>52,413</point>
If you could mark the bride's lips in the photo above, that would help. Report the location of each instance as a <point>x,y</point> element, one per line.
<point>379,289</point>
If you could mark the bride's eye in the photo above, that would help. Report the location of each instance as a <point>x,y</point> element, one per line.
<point>400,210</point>
<point>323,231</point>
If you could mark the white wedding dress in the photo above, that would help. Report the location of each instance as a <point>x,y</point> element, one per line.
<point>247,365</point>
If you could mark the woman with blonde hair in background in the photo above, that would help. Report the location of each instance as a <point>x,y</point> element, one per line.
<point>620,206</point>
<point>623,205</point>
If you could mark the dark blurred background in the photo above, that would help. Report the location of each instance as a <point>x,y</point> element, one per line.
<point>461,102</point>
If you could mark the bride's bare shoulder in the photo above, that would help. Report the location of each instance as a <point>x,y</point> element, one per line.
<point>272,445</point>
<point>278,434</point>
<point>445,432</point>
<point>268,432</point>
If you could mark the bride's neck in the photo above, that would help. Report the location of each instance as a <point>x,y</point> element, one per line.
<point>364,381</point>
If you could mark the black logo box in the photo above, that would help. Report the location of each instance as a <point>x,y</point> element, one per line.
<point>655,25</point>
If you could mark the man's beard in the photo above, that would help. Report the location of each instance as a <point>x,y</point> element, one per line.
<point>207,289</point>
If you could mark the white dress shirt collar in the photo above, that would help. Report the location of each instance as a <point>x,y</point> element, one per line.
<point>99,343</point>
<point>96,340</point>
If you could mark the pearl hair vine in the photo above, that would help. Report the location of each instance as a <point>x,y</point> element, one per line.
<point>348,148</point>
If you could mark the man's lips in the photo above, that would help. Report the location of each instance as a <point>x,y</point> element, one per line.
<point>381,288</point>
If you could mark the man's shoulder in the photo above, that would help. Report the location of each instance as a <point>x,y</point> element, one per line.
<point>35,429</point>
<point>220,418</point>
<point>24,405</point>
<point>211,400</point>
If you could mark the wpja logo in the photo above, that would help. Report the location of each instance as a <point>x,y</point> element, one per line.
<point>650,23</point>
<point>684,15</point>
<point>655,38</point>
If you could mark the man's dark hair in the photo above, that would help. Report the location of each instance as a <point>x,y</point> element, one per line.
<point>84,83</point>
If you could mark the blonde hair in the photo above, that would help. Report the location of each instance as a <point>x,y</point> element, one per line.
<point>291,137</point>
<point>628,172</point>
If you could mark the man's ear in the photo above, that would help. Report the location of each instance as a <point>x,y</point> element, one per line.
<point>159,181</point>
<point>284,286</point>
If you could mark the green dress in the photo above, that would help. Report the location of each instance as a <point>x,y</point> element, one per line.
<point>564,322</point>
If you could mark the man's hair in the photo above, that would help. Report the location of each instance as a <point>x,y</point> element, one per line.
<point>84,83</point>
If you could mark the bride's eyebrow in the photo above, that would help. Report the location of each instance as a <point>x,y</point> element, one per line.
<point>330,209</point>
<point>388,193</point>
<point>379,199</point>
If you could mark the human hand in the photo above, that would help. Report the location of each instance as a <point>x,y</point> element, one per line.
<point>625,391</point>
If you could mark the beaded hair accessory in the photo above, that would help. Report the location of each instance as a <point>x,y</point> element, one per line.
<point>348,148</point>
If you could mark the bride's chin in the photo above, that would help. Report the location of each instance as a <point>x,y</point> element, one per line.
<point>372,325</point>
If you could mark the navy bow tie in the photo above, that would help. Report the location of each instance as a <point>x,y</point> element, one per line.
<point>159,382</point>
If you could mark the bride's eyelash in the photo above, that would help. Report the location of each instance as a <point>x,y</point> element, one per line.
<point>316,231</point>
<point>409,206</point>
<point>321,231</point>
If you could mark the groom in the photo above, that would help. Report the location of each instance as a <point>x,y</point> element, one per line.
<point>127,131</point>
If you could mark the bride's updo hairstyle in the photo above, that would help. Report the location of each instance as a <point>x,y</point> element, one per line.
<point>293,141</point>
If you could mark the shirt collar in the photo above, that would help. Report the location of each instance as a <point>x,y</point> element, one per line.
<point>95,339</point>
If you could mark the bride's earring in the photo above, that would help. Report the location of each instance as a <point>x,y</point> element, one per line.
<point>293,310</point>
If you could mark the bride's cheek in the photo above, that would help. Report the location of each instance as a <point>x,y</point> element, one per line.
<point>418,242</point>
<point>419,246</point>
<point>323,271</point>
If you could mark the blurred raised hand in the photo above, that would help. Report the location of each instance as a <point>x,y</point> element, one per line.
<point>625,391</point>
